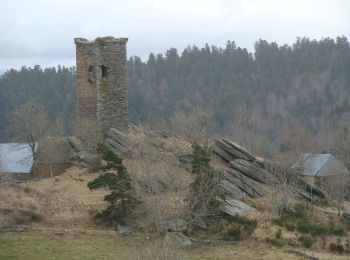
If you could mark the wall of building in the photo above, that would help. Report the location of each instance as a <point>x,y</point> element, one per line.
<point>102,99</point>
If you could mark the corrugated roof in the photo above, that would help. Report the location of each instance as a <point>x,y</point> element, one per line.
<point>15,158</point>
<point>322,165</point>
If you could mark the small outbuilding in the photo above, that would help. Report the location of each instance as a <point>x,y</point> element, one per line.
<point>16,161</point>
<point>321,165</point>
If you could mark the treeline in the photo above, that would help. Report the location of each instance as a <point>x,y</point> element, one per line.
<point>242,94</point>
<point>53,88</point>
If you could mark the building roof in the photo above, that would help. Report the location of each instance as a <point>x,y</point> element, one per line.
<point>322,165</point>
<point>15,158</point>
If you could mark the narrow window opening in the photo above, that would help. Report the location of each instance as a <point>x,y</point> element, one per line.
<point>104,69</point>
<point>91,74</point>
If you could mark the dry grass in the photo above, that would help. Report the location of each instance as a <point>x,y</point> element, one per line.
<point>62,201</point>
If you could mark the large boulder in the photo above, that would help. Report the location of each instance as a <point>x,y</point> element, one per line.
<point>229,150</point>
<point>245,184</point>
<point>251,170</point>
<point>176,225</point>
<point>235,207</point>
<point>75,143</point>
<point>119,137</point>
<point>118,142</point>
<point>177,239</point>
<point>232,189</point>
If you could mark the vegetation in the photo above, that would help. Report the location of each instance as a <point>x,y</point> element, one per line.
<point>204,189</point>
<point>122,199</point>
<point>306,241</point>
<point>303,86</point>
<point>242,227</point>
<point>300,220</point>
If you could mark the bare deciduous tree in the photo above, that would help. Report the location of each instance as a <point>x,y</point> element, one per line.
<point>284,186</point>
<point>195,124</point>
<point>30,123</point>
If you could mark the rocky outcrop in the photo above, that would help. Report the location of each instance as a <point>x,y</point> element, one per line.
<point>176,225</point>
<point>248,171</point>
<point>251,170</point>
<point>231,189</point>
<point>118,142</point>
<point>229,150</point>
<point>235,207</point>
<point>246,185</point>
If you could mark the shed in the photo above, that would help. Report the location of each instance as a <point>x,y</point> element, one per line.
<point>321,165</point>
<point>15,160</point>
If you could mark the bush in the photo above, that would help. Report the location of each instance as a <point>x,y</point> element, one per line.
<point>299,211</point>
<point>36,217</point>
<point>275,242</point>
<point>249,225</point>
<point>339,231</point>
<point>233,234</point>
<point>303,226</point>
<point>336,248</point>
<point>290,226</point>
<point>279,234</point>
<point>306,241</point>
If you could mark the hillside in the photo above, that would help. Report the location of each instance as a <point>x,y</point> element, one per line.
<point>58,213</point>
<point>257,98</point>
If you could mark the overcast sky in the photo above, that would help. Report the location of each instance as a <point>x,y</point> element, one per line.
<point>42,31</point>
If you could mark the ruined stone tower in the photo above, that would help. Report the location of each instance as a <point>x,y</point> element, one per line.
<point>102,91</point>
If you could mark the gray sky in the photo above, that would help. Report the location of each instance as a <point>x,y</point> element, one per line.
<point>42,31</point>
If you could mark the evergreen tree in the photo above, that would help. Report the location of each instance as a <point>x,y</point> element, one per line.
<point>122,199</point>
<point>204,189</point>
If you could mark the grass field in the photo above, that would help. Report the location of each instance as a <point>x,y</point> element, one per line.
<point>73,244</point>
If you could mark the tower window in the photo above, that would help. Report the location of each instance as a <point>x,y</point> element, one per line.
<point>91,74</point>
<point>104,70</point>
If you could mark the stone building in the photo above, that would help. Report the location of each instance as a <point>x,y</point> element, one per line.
<point>102,92</point>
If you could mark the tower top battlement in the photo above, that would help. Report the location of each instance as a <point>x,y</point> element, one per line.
<point>107,39</point>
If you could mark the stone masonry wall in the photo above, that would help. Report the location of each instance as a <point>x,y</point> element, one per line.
<point>102,100</point>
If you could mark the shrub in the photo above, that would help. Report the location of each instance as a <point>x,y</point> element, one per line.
<point>290,226</point>
<point>279,234</point>
<point>336,248</point>
<point>299,211</point>
<point>275,242</point>
<point>338,231</point>
<point>303,226</point>
<point>249,225</point>
<point>233,234</point>
<point>306,241</point>
<point>36,217</point>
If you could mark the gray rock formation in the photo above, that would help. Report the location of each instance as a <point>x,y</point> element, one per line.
<point>231,189</point>
<point>123,230</point>
<point>251,169</point>
<point>75,143</point>
<point>235,207</point>
<point>229,150</point>
<point>245,184</point>
<point>177,239</point>
<point>118,142</point>
<point>176,225</point>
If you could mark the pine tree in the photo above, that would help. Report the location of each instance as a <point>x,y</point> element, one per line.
<point>122,200</point>
<point>204,189</point>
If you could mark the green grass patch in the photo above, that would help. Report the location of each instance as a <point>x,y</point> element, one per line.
<point>306,241</point>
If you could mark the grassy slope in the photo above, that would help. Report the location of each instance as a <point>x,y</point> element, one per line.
<point>33,245</point>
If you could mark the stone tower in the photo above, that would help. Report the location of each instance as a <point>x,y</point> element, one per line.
<point>102,91</point>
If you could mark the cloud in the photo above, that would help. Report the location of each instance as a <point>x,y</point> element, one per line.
<point>42,32</point>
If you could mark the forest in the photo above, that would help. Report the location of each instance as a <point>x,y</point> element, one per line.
<point>266,100</point>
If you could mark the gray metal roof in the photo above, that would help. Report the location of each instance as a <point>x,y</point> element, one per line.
<point>322,165</point>
<point>15,158</point>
